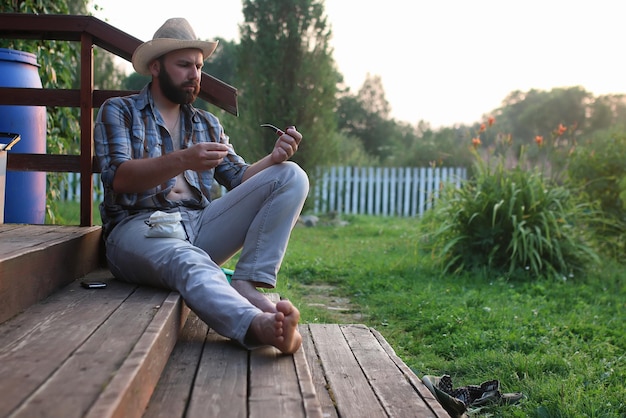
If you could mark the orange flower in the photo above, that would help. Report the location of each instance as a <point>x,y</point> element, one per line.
<point>539,140</point>
<point>482,127</point>
<point>475,142</point>
<point>491,120</point>
<point>561,129</point>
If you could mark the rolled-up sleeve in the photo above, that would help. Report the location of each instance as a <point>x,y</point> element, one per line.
<point>112,138</point>
<point>230,172</point>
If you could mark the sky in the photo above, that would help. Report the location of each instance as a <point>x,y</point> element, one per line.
<point>444,62</point>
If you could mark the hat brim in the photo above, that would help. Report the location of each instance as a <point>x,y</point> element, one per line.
<point>150,50</point>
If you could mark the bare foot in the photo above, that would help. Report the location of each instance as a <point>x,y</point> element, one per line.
<point>278,329</point>
<point>248,290</point>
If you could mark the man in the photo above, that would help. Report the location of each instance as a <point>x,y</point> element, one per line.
<point>160,154</point>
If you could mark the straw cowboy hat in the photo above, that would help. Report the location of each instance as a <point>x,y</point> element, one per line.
<point>176,33</point>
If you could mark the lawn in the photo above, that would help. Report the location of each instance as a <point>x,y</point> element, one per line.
<point>562,343</point>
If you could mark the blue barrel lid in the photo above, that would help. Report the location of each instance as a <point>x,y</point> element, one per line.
<point>18,56</point>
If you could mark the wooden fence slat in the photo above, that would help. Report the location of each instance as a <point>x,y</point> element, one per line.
<point>382,191</point>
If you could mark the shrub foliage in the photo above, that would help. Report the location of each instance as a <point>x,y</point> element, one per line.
<point>512,220</point>
<point>597,168</point>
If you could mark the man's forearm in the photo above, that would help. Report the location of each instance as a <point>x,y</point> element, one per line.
<point>135,176</point>
<point>257,167</point>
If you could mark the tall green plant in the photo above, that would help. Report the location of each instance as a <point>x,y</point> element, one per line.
<point>597,168</point>
<point>510,219</point>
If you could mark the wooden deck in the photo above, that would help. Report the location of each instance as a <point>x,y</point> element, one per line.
<point>130,351</point>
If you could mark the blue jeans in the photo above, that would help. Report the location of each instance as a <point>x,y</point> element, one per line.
<point>256,217</point>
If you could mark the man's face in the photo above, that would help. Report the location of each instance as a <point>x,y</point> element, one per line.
<point>179,75</point>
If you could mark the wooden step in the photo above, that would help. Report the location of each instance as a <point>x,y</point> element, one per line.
<point>93,353</point>
<point>36,260</point>
<point>340,371</point>
<point>210,376</point>
<point>357,374</point>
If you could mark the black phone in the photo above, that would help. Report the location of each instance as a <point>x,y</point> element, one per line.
<point>93,285</point>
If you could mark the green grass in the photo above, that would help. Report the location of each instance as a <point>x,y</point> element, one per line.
<point>561,343</point>
<point>68,213</point>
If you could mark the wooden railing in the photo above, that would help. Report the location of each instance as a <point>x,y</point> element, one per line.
<point>90,32</point>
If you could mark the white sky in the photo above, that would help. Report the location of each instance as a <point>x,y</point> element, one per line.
<point>441,61</point>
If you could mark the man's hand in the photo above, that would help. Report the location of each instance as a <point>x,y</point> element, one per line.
<point>138,175</point>
<point>286,145</point>
<point>205,155</point>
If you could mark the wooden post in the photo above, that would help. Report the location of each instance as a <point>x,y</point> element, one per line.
<point>86,129</point>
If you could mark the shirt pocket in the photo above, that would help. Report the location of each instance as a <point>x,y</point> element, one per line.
<point>146,146</point>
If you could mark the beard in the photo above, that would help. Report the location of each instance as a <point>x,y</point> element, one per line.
<point>177,94</point>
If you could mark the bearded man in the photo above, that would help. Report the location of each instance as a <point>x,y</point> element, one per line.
<point>159,157</point>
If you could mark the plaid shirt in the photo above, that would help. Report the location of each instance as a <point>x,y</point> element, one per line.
<point>130,128</point>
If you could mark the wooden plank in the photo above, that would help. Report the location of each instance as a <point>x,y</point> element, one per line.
<point>129,391</point>
<point>415,381</point>
<point>312,406</point>
<point>173,391</point>
<point>28,238</point>
<point>310,403</point>
<point>394,392</point>
<point>320,384</point>
<point>220,388</point>
<point>351,390</point>
<point>274,388</point>
<point>71,28</point>
<point>49,163</point>
<point>79,380</point>
<point>35,343</point>
<point>37,260</point>
<point>6,228</point>
<point>29,96</point>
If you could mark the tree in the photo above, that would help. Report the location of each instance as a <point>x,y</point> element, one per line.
<point>286,75</point>
<point>372,96</point>
<point>223,63</point>
<point>607,112</point>
<point>525,115</point>
<point>366,116</point>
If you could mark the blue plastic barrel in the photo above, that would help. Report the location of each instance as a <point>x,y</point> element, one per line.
<point>25,198</point>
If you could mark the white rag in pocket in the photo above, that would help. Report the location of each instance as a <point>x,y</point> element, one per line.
<point>165,225</point>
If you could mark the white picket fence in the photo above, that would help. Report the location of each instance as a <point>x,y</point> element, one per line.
<point>382,191</point>
<point>70,187</point>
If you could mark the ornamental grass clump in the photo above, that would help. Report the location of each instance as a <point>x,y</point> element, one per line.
<point>509,218</point>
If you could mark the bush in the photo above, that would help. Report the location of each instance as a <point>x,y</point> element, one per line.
<point>512,221</point>
<point>597,168</point>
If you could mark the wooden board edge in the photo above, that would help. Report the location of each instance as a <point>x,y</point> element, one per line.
<point>412,378</point>
<point>61,263</point>
<point>129,391</point>
<point>312,406</point>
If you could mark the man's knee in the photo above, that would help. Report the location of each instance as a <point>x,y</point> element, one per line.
<point>296,176</point>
